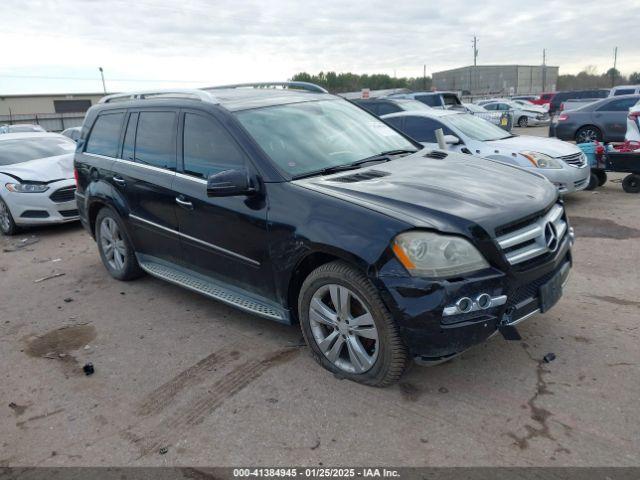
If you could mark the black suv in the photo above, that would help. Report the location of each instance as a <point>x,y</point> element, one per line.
<point>298,206</point>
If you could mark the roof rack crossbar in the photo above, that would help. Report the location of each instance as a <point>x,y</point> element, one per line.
<point>194,93</point>
<point>310,87</point>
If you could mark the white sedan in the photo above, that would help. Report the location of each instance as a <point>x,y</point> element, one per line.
<point>523,116</point>
<point>564,164</point>
<point>37,185</point>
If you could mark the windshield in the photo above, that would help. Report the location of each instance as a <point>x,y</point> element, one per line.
<point>476,128</point>
<point>25,149</point>
<point>410,104</point>
<point>310,136</point>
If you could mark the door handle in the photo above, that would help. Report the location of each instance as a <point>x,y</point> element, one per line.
<point>186,204</point>
<point>119,180</point>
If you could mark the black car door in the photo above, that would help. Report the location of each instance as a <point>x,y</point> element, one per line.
<point>145,173</point>
<point>224,238</point>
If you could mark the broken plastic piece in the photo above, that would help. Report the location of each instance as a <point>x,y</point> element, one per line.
<point>509,332</point>
<point>549,357</point>
<point>88,369</point>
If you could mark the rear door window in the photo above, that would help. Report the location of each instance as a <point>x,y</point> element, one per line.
<point>624,91</point>
<point>423,129</point>
<point>387,107</point>
<point>431,100</point>
<point>207,147</point>
<point>156,139</point>
<point>620,105</point>
<point>105,135</point>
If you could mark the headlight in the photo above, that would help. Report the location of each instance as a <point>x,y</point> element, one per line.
<point>541,160</point>
<point>430,254</point>
<point>26,187</point>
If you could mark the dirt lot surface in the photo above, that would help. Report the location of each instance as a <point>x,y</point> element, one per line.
<point>215,386</point>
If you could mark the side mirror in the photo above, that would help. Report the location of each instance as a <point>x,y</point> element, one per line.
<point>229,183</point>
<point>451,139</point>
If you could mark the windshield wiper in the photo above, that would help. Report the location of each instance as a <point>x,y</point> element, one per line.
<point>383,156</point>
<point>328,170</point>
<point>380,157</point>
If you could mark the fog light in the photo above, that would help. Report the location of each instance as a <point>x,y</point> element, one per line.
<point>483,301</point>
<point>464,305</point>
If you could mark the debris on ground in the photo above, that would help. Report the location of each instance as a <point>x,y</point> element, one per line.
<point>549,357</point>
<point>88,369</point>
<point>55,275</point>
<point>25,242</point>
<point>68,300</point>
<point>163,450</point>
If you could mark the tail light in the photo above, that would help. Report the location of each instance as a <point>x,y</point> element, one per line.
<point>75,175</point>
<point>563,117</point>
<point>562,106</point>
<point>634,116</point>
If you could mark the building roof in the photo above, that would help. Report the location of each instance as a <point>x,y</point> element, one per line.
<point>26,95</point>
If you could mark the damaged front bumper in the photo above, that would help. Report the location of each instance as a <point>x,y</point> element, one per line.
<point>441,319</point>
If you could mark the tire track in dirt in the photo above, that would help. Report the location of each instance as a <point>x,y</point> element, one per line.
<point>179,422</point>
<point>162,397</point>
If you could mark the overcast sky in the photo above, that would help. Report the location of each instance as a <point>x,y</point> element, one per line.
<point>149,43</point>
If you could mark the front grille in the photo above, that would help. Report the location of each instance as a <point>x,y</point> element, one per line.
<point>65,194</point>
<point>575,159</point>
<point>538,236</point>
<point>69,213</point>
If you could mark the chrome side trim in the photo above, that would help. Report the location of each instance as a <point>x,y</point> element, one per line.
<point>495,302</point>
<point>197,240</point>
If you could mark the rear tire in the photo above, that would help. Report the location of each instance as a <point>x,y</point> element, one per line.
<point>358,339</point>
<point>115,247</point>
<point>588,133</point>
<point>7,225</point>
<point>631,183</point>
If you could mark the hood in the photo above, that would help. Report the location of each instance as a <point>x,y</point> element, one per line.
<point>453,194</point>
<point>549,146</point>
<point>42,169</point>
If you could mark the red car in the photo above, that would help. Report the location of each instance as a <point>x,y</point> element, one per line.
<point>544,98</point>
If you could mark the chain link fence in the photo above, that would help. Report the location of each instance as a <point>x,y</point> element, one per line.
<point>52,122</point>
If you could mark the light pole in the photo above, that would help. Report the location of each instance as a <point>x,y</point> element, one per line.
<point>104,86</point>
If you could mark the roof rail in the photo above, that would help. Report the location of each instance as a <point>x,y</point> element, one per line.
<point>171,93</point>
<point>310,87</point>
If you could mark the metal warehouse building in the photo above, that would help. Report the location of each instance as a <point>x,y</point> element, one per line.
<point>498,79</point>
<point>54,112</point>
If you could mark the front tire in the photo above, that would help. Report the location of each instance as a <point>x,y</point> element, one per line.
<point>602,177</point>
<point>116,250</point>
<point>523,121</point>
<point>7,225</point>
<point>348,329</point>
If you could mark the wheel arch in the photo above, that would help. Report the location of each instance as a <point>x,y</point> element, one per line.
<point>308,263</point>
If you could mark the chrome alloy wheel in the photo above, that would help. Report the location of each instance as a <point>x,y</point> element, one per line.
<point>343,328</point>
<point>5,220</point>
<point>112,243</point>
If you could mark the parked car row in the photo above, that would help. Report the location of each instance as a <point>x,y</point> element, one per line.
<point>393,251</point>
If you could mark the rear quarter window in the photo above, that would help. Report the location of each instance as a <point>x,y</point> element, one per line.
<point>105,135</point>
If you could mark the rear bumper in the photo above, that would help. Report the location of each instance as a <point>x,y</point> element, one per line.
<point>418,306</point>
<point>39,209</point>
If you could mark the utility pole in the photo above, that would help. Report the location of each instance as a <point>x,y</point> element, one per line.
<point>424,77</point>
<point>475,63</point>
<point>104,86</point>
<point>615,62</point>
<point>544,70</point>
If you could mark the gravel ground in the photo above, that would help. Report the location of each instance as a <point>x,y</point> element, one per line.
<point>183,380</point>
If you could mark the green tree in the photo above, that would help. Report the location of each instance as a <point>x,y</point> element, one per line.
<point>352,82</point>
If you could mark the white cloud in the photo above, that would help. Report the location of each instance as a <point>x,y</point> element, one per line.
<point>161,43</point>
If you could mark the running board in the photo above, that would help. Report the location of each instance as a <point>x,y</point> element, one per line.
<point>211,289</point>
